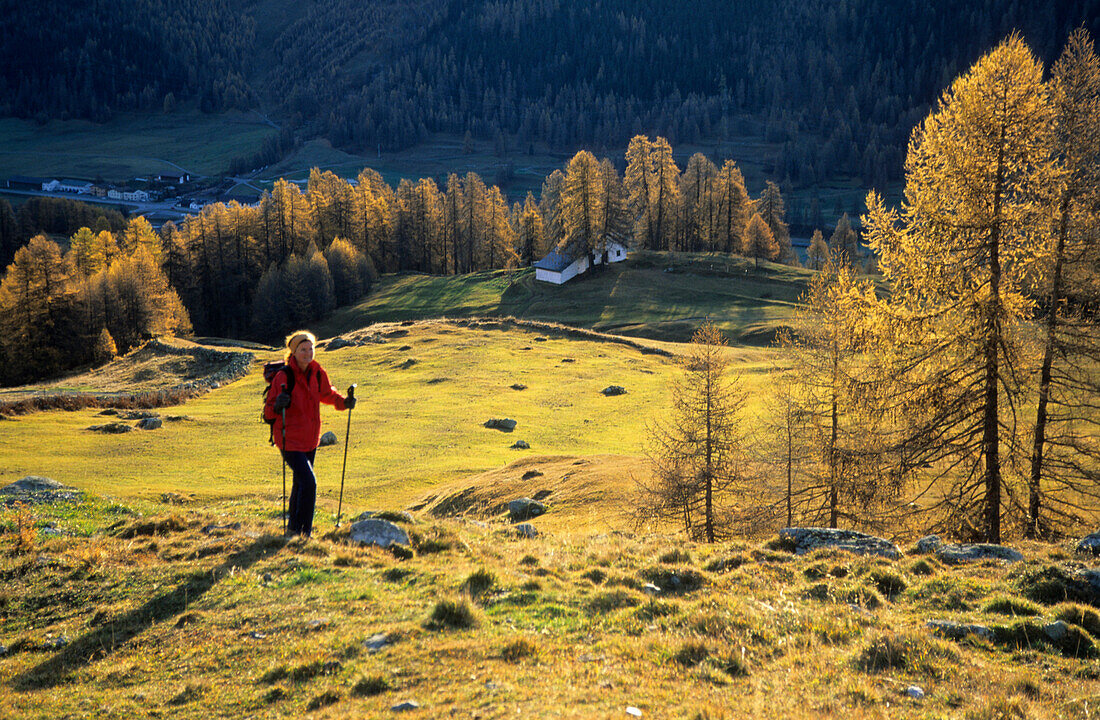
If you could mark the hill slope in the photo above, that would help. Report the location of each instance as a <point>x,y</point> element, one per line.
<point>662,296</point>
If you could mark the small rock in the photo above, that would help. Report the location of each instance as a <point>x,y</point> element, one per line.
<point>651,589</point>
<point>503,424</point>
<point>540,339</point>
<point>1056,631</point>
<point>376,642</point>
<point>524,509</point>
<point>111,428</point>
<point>1089,545</point>
<point>568,360</point>
<point>633,711</point>
<point>405,706</point>
<point>329,438</point>
<point>966,553</point>
<point>404,348</point>
<point>316,624</point>
<point>332,667</point>
<point>257,635</point>
<point>138,415</point>
<point>378,532</point>
<point>526,530</point>
<point>612,390</point>
<point>150,423</point>
<point>267,577</point>
<point>59,642</point>
<point>407,364</point>
<point>520,445</point>
<point>3,650</point>
<point>957,631</point>
<point>532,474</point>
<point>929,544</point>
<point>915,692</point>
<point>519,386</point>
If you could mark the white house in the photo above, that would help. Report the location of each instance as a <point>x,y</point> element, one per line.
<point>558,268</point>
<point>135,196</point>
<point>51,185</point>
<point>80,187</point>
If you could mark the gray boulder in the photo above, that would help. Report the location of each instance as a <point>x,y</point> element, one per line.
<point>929,544</point>
<point>803,540</point>
<point>957,631</point>
<point>976,552</point>
<point>138,415</point>
<point>1056,631</point>
<point>520,445</point>
<point>328,438</point>
<point>1089,545</point>
<point>378,532</point>
<point>406,706</point>
<point>524,509</point>
<point>503,424</point>
<point>612,390</point>
<point>532,474</point>
<point>518,386</point>
<point>337,343</point>
<point>111,428</point>
<point>34,484</point>
<point>152,423</point>
<point>526,530</point>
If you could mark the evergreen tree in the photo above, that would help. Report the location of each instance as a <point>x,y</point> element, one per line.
<point>772,210</point>
<point>733,209</point>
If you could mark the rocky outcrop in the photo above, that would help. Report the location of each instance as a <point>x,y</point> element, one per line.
<point>803,540</point>
<point>976,552</point>
<point>525,509</point>
<point>502,424</point>
<point>36,490</point>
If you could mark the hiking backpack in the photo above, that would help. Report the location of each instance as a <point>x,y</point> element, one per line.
<point>271,369</point>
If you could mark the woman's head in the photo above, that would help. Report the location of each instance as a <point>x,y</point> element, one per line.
<point>299,345</point>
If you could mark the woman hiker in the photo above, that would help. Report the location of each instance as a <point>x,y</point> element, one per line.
<point>298,440</point>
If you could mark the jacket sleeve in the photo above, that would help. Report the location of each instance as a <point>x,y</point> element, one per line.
<point>329,394</point>
<point>278,384</point>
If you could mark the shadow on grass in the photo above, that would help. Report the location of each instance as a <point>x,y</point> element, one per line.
<point>101,642</point>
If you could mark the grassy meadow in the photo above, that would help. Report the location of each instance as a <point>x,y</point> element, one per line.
<point>661,296</point>
<point>129,145</point>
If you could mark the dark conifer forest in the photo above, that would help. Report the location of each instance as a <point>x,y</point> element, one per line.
<point>838,84</point>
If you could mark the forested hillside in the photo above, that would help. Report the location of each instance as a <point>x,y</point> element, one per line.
<point>838,84</point>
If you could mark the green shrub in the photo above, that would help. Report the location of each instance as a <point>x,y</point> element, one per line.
<point>1007,605</point>
<point>455,614</point>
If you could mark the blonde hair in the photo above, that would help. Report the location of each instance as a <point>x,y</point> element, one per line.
<point>296,338</point>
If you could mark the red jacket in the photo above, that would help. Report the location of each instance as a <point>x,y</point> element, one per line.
<point>303,417</point>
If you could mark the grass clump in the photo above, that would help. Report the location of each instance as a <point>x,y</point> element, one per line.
<point>480,582</point>
<point>910,652</point>
<point>678,580</point>
<point>529,561</point>
<point>1053,584</point>
<point>518,650</point>
<point>1082,616</point>
<point>370,685</point>
<point>596,576</point>
<point>328,697</point>
<point>155,526</point>
<point>888,582</point>
<point>726,564</point>
<point>691,654</point>
<point>675,557</point>
<point>611,600</point>
<point>1069,640</point>
<point>1013,708</point>
<point>922,567</point>
<point>453,615</point>
<point>1013,606</point>
<point>396,574</point>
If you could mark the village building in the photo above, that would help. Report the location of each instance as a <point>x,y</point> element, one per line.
<point>25,182</point>
<point>558,267</point>
<point>80,187</point>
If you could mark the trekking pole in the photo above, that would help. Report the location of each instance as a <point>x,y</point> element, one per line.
<point>347,439</point>
<point>283,456</point>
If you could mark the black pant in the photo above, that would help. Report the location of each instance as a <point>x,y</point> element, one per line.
<point>303,492</point>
